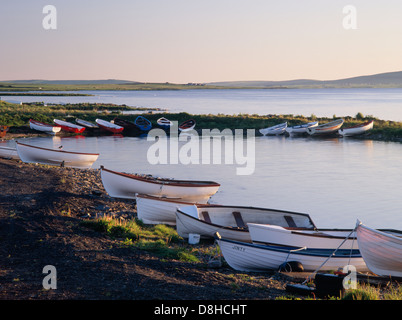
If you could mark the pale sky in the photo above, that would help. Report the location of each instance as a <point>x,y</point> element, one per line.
<point>182,41</point>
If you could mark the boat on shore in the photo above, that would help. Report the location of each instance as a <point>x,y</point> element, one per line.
<point>86,124</point>
<point>108,126</point>
<point>164,123</point>
<point>274,130</point>
<point>69,127</point>
<point>33,154</point>
<point>382,251</point>
<point>326,128</point>
<point>269,234</point>
<point>357,130</point>
<point>124,185</point>
<point>302,128</point>
<point>250,257</point>
<point>143,123</point>
<point>44,127</point>
<point>231,221</point>
<point>8,153</point>
<point>158,210</point>
<point>187,125</point>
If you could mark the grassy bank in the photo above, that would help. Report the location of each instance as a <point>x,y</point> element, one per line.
<point>19,114</point>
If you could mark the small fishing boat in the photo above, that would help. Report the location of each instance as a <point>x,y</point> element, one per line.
<point>300,129</point>
<point>274,130</point>
<point>382,251</point>
<point>250,257</point>
<point>187,125</point>
<point>86,124</point>
<point>269,234</point>
<point>157,210</point>
<point>108,126</point>
<point>231,221</point>
<point>9,153</point>
<point>357,130</point>
<point>143,123</point>
<point>164,123</point>
<point>44,127</point>
<point>3,131</point>
<point>124,185</point>
<point>326,128</point>
<point>69,127</point>
<point>34,154</point>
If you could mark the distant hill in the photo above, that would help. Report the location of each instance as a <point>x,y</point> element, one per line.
<point>389,79</point>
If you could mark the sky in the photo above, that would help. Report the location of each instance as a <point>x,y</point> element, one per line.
<point>181,41</point>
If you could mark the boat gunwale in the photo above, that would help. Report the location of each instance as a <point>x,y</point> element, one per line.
<point>53,150</point>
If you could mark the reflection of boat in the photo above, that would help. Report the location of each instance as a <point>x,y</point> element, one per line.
<point>86,124</point>
<point>108,126</point>
<point>3,131</point>
<point>302,237</point>
<point>326,128</point>
<point>187,125</point>
<point>251,257</point>
<point>124,185</point>
<point>382,251</point>
<point>69,127</point>
<point>143,123</point>
<point>274,130</point>
<point>155,210</point>
<point>231,221</point>
<point>8,153</point>
<point>356,130</point>
<point>44,127</point>
<point>301,128</point>
<point>33,154</point>
<point>164,123</point>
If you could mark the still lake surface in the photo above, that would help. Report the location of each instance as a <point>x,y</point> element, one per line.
<point>335,180</point>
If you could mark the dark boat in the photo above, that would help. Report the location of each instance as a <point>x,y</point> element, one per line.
<point>143,123</point>
<point>187,125</point>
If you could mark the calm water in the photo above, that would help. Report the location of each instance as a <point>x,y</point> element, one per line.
<point>336,181</point>
<point>384,104</point>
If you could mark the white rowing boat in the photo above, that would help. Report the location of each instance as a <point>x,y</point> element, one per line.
<point>274,130</point>
<point>382,251</point>
<point>124,185</point>
<point>326,128</point>
<point>86,124</point>
<point>69,127</point>
<point>44,127</point>
<point>33,154</point>
<point>108,126</point>
<point>251,257</point>
<point>300,129</point>
<point>187,125</point>
<point>156,210</point>
<point>231,221</point>
<point>357,130</point>
<point>302,237</point>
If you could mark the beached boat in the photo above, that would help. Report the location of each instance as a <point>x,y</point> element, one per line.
<point>108,126</point>
<point>156,210</point>
<point>33,154</point>
<point>124,185</point>
<point>274,130</point>
<point>187,125</point>
<point>302,237</point>
<point>9,153</point>
<point>164,123</point>
<point>300,129</point>
<point>44,127</point>
<point>3,131</point>
<point>143,123</point>
<point>231,221</point>
<point>357,130</point>
<point>382,251</point>
<point>326,128</point>
<point>86,124</point>
<point>249,257</point>
<point>69,127</point>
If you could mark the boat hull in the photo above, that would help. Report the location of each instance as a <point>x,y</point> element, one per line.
<point>187,126</point>
<point>9,153</point>
<point>326,128</point>
<point>43,127</point>
<point>69,127</point>
<point>121,185</point>
<point>258,258</point>
<point>231,221</point>
<point>301,129</point>
<point>381,251</point>
<point>108,126</point>
<point>274,130</point>
<point>357,130</point>
<point>33,154</point>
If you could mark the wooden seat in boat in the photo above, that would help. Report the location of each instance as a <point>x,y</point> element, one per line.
<point>239,220</point>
